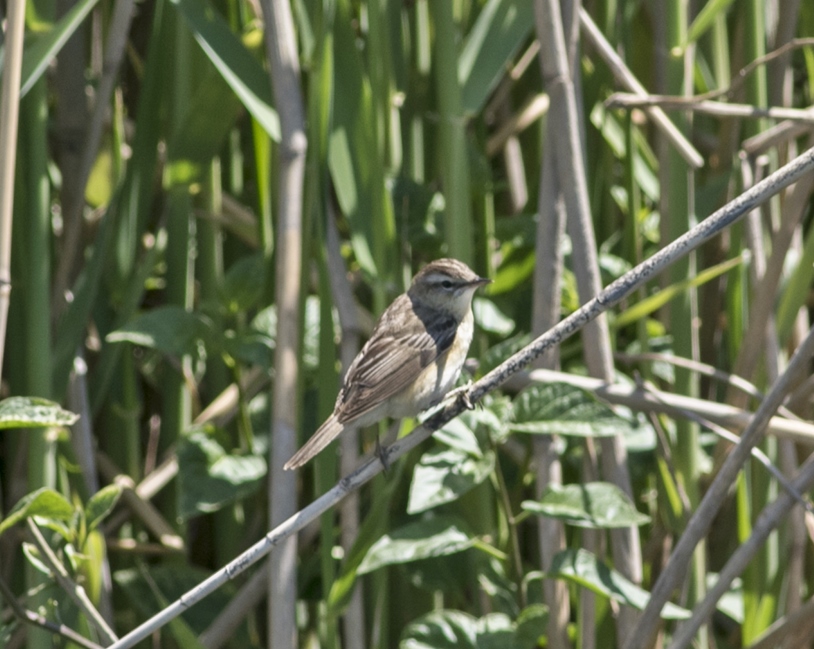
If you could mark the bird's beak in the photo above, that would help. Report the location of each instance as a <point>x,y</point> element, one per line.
<point>481,281</point>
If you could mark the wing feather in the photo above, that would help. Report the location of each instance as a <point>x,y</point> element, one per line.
<point>390,362</point>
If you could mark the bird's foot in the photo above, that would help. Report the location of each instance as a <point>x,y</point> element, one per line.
<point>461,394</point>
<point>381,453</point>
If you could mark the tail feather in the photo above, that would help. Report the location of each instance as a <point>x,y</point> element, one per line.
<point>319,440</point>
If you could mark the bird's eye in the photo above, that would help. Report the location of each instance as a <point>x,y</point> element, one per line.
<point>446,284</point>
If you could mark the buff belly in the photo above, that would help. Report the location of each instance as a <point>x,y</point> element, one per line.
<point>437,379</point>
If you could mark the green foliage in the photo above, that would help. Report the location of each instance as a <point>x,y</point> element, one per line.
<point>425,539</point>
<point>43,502</point>
<point>210,477</point>
<point>583,568</point>
<point>151,589</point>
<point>33,412</point>
<point>562,409</point>
<point>453,629</point>
<point>421,144</point>
<point>443,475</point>
<point>595,505</point>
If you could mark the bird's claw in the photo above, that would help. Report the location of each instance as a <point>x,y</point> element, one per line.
<point>461,394</point>
<point>381,453</point>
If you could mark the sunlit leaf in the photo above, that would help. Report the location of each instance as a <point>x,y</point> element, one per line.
<point>531,626</point>
<point>447,629</point>
<point>210,478</point>
<point>583,568</point>
<point>490,318</point>
<point>444,474</point>
<point>101,504</point>
<point>435,537</point>
<point>42,502</point>
<point>597,505</point>
<point>33,412</point>
<point>562,409</point>
<point>201,133</point>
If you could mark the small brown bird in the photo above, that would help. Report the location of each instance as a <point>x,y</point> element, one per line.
<point>413,357</point>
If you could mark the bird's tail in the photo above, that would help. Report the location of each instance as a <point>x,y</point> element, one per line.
<point>325,435</point>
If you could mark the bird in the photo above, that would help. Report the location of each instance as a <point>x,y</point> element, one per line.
<point>412,358</point>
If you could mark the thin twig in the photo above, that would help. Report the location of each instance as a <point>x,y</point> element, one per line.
<point>699,524</point>
<point>9,118</point>
<point>671,404</point>
<point>758,454</point>
<point>71,588</point>
<point>627,79</point>
<point>768,520</point>
<point>714,108</point>
<point>613,294</point>
<point>740,78</point>
<point>711,371</point>
<point>30,617</point>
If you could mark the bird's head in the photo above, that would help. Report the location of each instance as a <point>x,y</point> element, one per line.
<point>446,284</point>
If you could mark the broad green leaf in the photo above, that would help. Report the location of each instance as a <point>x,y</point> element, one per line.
<point>444,474</point>
<point>448,629</point>
<point>583,568</point>
<point>42,502</point>
<point>33,412</point>
<point>500,30</point>
<point>239,68</point>
<point>418,208</point>
<point>531,626</point>
<point>101,504</point>
<point>250,347</point>
<point>169,329</point>
<point>202,131</point>
<point>210,478</point>
<point>490,318</point>
<point>244,283</point>
<point>705,19</point>
<point>562,409</point>
<point>255,345</point>
<point>654,302</point>
<point>44,46</point>
<point>436,537</point>
<point>459,436</point>
<point>596,505</point>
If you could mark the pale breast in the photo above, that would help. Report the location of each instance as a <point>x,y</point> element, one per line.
<point>438,378</point>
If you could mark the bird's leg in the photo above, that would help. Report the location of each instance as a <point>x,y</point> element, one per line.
<point>381,453</point>
<point>462,395</point>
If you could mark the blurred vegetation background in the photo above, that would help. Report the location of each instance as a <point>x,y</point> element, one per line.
<point>157,228</point>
